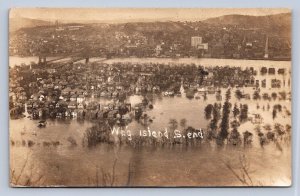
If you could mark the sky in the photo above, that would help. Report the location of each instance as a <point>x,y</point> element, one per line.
<point>116,15</point>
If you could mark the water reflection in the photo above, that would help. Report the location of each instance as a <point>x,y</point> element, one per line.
<point>144,166</point>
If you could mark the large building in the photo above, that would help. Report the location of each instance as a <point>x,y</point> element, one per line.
<point>203,46</point>
<point>196,41</point>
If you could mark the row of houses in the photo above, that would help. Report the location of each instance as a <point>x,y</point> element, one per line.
<point>62,109</point>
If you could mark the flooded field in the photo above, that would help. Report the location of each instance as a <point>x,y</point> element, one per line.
<point>58,156</point>
<point>76,165</point>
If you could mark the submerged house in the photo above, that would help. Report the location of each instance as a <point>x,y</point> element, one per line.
<point>80,106</point>
<point>73,98</point>
<point>271,71</point>
<point>80,99</point>
<point>72,105</point>
<point>112,114</point>
<point>74,113</point>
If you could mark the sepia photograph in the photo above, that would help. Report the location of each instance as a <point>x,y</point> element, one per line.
<point>150,97</point>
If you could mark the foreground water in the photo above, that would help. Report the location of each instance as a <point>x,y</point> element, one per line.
<point>202,165</point>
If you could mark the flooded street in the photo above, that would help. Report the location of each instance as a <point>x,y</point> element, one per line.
<point>77,165</point>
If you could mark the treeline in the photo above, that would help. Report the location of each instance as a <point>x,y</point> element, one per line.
<point>222,126</point>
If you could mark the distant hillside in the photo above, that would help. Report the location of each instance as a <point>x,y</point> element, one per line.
<point>29,37</point>
<point>252,21</point>
<point>281,23</point>
<point>18,23</point>
<point>155,26</point>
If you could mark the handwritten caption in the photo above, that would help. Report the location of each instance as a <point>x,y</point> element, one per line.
<point>198,133</point>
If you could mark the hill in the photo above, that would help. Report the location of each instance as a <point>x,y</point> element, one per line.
<point>19,23</point>
<point>278,23</point>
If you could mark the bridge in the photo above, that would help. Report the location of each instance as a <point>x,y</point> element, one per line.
<point>73,59</point>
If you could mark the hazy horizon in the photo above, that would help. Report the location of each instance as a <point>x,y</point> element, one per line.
<point>121,15</point>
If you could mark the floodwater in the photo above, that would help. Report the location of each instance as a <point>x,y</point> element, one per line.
<point>203,165</point>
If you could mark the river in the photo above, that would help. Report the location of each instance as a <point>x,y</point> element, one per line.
<point>14,60</point>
